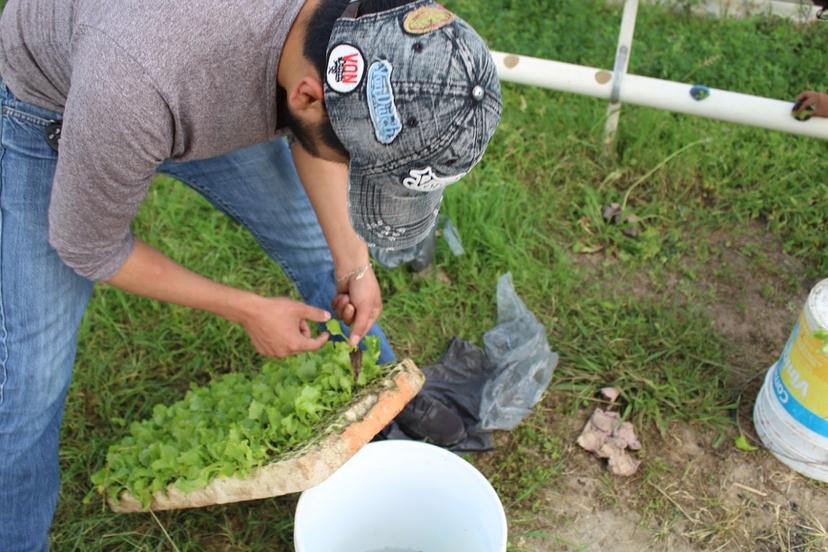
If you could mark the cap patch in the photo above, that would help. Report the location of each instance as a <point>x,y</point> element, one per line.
<point>426,181</point>
<point>346,67</point>
<point>384,115</point>
<point>427,19</point>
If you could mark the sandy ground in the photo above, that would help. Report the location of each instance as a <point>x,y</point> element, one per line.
<point>710,500</point>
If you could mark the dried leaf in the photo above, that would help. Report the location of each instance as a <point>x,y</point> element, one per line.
<point>612,213</point>
<point>742,444</point>
<point>586,249</point>
<point>632,231</point>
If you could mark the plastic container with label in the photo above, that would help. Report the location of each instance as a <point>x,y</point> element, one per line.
<point>791,412</point>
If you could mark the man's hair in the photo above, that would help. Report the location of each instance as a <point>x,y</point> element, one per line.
<point>317,35</point>
<point>821,3</point>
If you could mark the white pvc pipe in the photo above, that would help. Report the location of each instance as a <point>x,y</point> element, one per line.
<point>622,63</point>
<point>659,94</point>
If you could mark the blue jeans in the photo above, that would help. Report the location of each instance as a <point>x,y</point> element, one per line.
<point>42,301</point>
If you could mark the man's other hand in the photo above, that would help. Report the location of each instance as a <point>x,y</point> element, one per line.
<point>278,326</point>
<point>358,303</point>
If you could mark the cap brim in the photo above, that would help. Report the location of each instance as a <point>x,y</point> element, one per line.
<point>387,215</point>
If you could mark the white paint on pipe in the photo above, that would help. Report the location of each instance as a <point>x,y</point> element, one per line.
<point>622,63</point>
<point>673,96</point>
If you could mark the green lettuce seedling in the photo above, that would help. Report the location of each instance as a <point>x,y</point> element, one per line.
<point>235,423</point>
<point>368,371</point>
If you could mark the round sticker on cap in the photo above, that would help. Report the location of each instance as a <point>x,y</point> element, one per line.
<point>346,67</point>
<point>427,19</point>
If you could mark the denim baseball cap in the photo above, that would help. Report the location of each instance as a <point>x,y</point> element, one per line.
<point>413,95</point>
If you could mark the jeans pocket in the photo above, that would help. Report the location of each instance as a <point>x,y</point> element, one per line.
<point>26,134</point>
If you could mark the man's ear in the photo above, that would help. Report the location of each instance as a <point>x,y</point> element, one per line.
<point>307,98</point>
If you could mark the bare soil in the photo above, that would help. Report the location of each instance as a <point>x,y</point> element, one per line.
<point>705,500</point>
<point>695,490</point>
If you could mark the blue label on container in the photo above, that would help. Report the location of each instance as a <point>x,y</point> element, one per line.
<point>799,413</point>
<point>787,350</point>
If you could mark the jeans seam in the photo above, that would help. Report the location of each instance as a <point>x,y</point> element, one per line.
<point>4,349</point>
<point>193,183</point>
<point>27,117</point>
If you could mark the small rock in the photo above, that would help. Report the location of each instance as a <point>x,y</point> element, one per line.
<point>617,442</point>
<point>605,421</point>
<point>623,464</point>
<point>627,433</point>
<point>606,436</point>
<point>590,439</point>
<point>607,450</point>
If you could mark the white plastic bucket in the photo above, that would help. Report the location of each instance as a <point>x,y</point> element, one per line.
<point>791,412</point>
<point>792,443</point>
<point>401,496</point>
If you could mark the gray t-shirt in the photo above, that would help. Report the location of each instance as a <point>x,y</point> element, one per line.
<point>139,82</point>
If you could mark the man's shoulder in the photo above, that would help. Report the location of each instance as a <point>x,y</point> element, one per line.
<point>182,38</point>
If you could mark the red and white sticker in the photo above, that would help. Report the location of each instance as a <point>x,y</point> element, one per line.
<point>346,67</point>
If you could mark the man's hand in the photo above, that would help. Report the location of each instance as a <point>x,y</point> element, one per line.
<point>358,303</point>
<point>278,326</point>
<point>816,99</point>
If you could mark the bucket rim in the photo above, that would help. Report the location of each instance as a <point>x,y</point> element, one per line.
<point>403,448</point>
<point>818,312</point>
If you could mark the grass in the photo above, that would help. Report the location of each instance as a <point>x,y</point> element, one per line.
<point>633,313</point>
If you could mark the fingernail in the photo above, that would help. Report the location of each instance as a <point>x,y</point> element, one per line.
<point>355,339</point>
<point>327,316</point>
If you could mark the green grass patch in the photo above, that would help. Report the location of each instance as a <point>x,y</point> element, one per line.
<point>668,361</point>
<point>623,317</point>
<point>533,460</point>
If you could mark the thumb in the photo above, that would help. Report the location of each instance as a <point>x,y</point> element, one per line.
<point>314,314</point>
<point>313,344</point>
<point>361,325</point>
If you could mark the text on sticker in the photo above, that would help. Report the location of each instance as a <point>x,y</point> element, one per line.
<point>384,115</point>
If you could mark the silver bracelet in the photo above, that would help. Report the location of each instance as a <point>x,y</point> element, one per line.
<point>356,274</point>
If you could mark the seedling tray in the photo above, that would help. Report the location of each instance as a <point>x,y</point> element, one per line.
<point>354,426</point>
